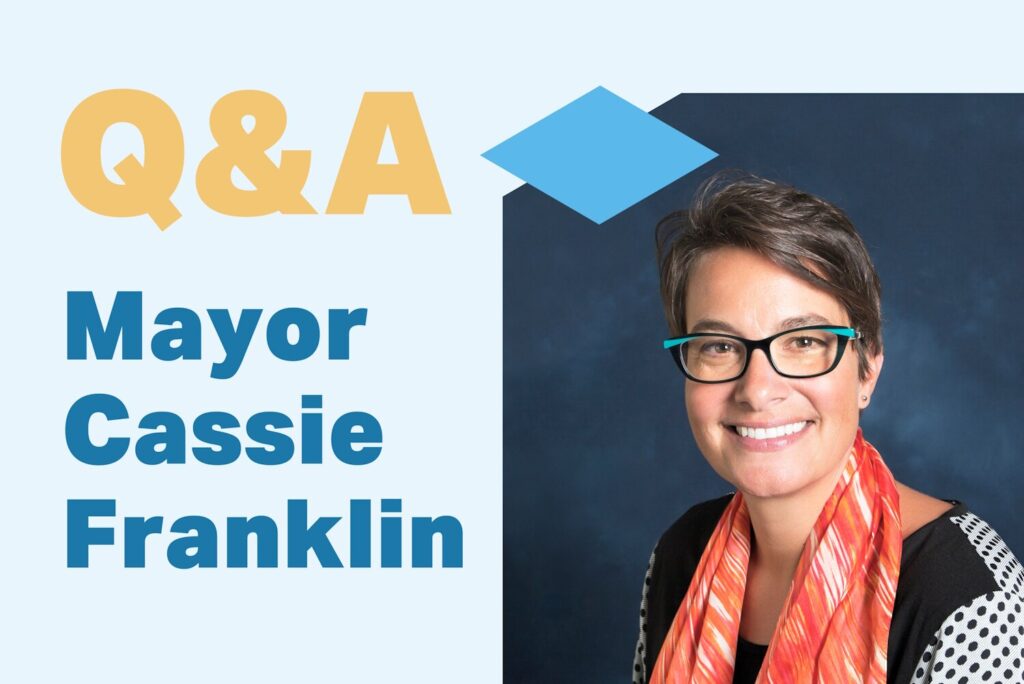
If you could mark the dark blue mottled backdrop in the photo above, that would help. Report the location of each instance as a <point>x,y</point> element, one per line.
<point>598,454</point>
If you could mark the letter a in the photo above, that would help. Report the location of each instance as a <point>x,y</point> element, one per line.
<point>415,174</point>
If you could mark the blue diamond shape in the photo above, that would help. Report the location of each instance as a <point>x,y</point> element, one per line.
<point>599,155</point>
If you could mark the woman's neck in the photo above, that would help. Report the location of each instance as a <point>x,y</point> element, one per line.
<point>780,528</point>
<point>782,524</point>
<point>780,531</point>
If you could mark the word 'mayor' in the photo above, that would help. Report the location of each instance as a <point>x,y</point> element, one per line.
<point>180,332</point>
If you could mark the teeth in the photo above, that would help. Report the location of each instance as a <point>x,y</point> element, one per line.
<point>772,432</point>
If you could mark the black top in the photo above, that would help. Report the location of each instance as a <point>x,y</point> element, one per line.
<point>959,610</point>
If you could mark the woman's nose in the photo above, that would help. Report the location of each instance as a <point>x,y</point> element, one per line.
<point>760,387</point>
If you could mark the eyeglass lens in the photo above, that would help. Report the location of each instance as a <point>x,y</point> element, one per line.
<point>799,353</point>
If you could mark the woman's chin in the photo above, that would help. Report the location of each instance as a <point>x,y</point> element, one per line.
<point>771,468</point>
<point>765,489</point>
<point>767,480</point>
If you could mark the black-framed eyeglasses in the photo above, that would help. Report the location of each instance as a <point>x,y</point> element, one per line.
<point>804,352</point>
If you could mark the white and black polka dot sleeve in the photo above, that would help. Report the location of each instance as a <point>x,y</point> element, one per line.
<point>983,640</point>
<point>639,666</point>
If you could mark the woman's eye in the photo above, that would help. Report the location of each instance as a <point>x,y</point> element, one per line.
<point>806,343</point>
<point>717,347</point>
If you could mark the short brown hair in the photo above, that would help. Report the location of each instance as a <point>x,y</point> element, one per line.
<point>809,237</point>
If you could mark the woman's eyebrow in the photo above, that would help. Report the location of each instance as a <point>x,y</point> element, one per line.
<point>804,319</point>
<point>712,325</point>
<point>715,325</point>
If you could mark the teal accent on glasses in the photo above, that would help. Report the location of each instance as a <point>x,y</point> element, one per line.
<point>848,333</point>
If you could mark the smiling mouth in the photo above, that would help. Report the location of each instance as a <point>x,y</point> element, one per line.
<point>774,432</point>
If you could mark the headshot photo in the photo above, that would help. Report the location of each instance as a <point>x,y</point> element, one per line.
<point>762,426</point>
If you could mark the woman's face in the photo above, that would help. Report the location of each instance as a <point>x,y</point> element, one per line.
<point>739,292</point>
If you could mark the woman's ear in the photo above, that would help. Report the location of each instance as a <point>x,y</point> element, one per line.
<point>867,384</point>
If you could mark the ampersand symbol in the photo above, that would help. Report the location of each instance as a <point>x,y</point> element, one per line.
<point>277,188</point>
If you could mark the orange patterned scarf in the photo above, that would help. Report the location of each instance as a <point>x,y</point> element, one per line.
<point>834,625</point>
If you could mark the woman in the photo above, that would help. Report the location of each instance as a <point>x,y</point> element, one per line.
<point>821,567</point>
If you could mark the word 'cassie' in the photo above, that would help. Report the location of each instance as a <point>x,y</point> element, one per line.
<point>182,332</point>
<point>355,437</point>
